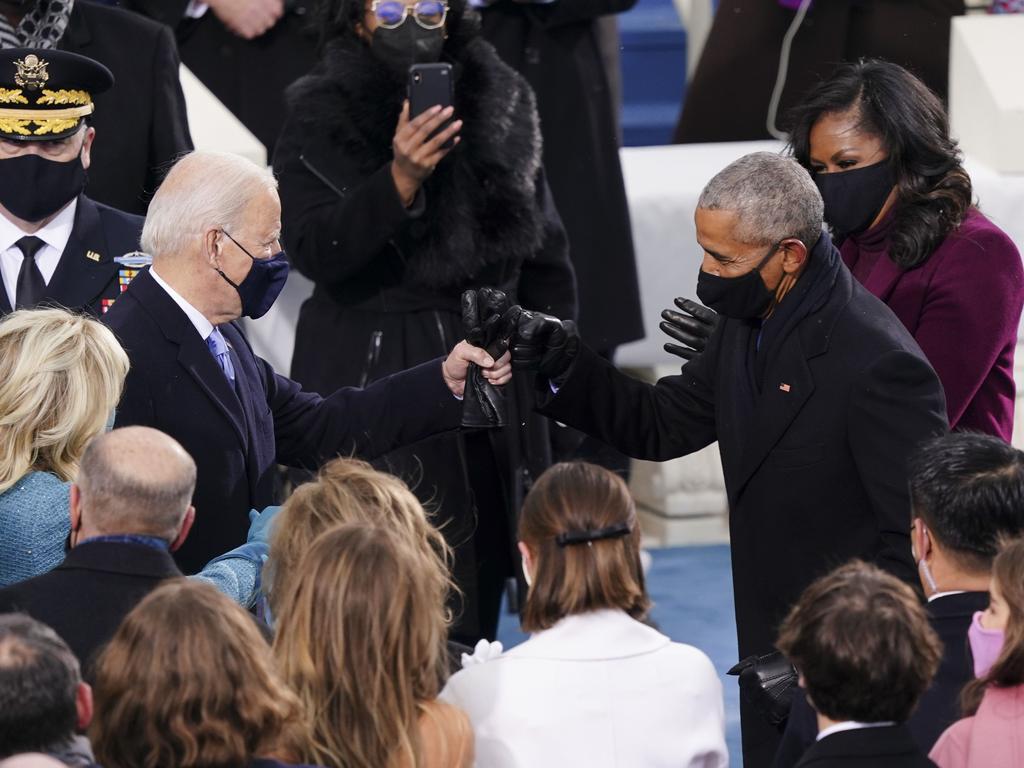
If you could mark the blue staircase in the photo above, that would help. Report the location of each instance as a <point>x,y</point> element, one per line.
<point>653,72</point>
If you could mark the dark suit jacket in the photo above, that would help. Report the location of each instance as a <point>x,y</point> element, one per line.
<point>85,598</point>
<point>86,273</point>
<point>938,708</point>
<point>141,124</point>
<point>237,435</point>
<point>886,747</point>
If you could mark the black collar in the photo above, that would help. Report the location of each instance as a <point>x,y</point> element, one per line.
<point>120,557</point>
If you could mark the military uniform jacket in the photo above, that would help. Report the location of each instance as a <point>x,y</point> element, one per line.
<point>238,433</point>
<point>87,275</point>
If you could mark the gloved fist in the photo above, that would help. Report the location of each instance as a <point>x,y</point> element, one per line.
<point>488,319</point>
<point>544,344</point>
<point>692,328</point>
<point>768,683</point>
<point>260,524</point>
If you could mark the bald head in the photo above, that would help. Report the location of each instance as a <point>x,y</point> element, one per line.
<point>136,480</point>
<point>31,760</point>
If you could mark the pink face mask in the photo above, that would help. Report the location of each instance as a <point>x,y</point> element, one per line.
<point>986,645</point>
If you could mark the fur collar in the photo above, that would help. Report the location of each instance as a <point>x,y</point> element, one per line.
<point>481,200</point>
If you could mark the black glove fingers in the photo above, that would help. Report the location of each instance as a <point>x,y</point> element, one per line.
<point>684,352</point>
<point>699,311</point>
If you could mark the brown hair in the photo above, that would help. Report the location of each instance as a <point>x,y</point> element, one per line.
<point>188,680</point>
<point>361,637</point>
<point>862,641</point>
<point>349,491</point>
<point>1008,669</point>
<point>571,498</point>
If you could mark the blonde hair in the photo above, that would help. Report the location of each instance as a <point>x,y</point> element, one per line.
<point>188,681</point>
<point>350,491</point>
<point>361,638</point>
<point>575,578</point>
<point>62,376</point>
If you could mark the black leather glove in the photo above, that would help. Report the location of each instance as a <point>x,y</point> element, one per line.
<point>768,683</point>
<point>488,320</point>
<point>545,344</point>
<point>692,328</point>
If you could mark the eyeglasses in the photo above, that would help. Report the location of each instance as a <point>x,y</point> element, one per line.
<point>429,14</point>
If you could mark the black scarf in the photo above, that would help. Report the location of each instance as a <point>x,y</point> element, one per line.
<point>482,198</point>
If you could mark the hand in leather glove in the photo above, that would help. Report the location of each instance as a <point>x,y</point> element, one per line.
<point>544,344</point>
<point>768,683</point>
<point>488,320</point>
<point>692,327</point>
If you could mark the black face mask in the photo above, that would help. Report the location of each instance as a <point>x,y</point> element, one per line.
<point>32,187</point>
<point>744,298</point>
<point>407,44</point>
<point>854,198</point>
<point>260,288</point>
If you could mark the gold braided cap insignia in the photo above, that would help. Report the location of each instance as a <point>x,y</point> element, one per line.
<point>46,122</point>
<point>8,125</point>
<point>31,72</point>
<point>64,97</point>
<point>12,96</point>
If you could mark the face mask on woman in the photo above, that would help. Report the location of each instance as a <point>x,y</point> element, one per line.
<point>407,44</point>
<point>854,198</point>
<point>986,645</point>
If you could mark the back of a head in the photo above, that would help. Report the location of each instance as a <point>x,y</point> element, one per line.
<point>863,645</point>
<point>62,376</point>
<point>188,680</point>
<point>203,191</point>
<point>773,199</point>
<point>31,760</point>
<point>969,491</point>
<point>136,480</point>
<point>349,491</point>
<point>579,522</point>
<point>360,637</point>
<point>39,677</point>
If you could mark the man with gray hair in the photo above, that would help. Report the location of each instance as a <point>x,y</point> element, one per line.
<point>130,508</point>
<point>814,390</point>
<point>43,702</point>
<point>213,230</point>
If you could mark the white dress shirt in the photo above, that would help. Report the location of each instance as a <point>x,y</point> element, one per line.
<point>203,326</point>
<point>54,235</point>
<point>850,725</point>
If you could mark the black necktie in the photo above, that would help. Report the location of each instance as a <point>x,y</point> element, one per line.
<point>31,285</point>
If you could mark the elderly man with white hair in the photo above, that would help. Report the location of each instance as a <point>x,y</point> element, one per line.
<point>213,231</point>
<point>814,390</point>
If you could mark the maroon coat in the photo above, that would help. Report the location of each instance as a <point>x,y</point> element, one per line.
<point>962,306</point>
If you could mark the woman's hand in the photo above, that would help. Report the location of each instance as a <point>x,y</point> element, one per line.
<point>416,153</point>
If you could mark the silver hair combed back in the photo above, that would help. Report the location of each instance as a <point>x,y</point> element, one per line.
<point>773,197</point>
<point>202,191</point>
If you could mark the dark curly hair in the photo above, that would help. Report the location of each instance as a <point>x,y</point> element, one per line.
<point>332,19</point>
<point>934,190</point>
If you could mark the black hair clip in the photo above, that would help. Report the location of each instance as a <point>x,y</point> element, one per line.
<point>586,537</point>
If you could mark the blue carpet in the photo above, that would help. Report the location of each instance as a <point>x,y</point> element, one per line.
<point>692,592</point>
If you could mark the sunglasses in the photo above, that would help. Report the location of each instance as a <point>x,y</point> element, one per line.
<point>429,14</point>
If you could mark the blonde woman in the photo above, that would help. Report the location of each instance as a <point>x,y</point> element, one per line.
<point>62,376</point>
<point>593,685</point>
<point>188,680</point>
<point>360,635</point>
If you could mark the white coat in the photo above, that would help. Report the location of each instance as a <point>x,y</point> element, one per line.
<point>600,690</point>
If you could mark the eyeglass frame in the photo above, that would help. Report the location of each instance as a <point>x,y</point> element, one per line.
<point>407,9</point>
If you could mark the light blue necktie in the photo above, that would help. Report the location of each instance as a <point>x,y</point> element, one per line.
<point>219,347</point>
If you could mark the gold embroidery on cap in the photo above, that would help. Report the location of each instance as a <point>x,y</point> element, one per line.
<point>64,97</point>
<point>12,96</point>
<point>31,72</point>
<point>9,125</point>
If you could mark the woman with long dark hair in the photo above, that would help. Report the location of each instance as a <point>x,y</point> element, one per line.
<point>900,207</point>
<point>393,223</point>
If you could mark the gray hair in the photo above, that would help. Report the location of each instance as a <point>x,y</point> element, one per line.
<point>203,191</point>
<point>137,480</point>
<point>773,198</point>
<point>39,677</point>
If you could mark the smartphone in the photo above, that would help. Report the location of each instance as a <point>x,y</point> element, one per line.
<point>430,85</point>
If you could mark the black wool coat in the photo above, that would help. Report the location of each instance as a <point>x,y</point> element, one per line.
<point>815,467</point>
<point>388,279</point>
<point>85,598</point>
<point>87,275</point>
<point>141,124</point>
<point>887,747</point>
<point>238,434</point>
<point>555,47</point>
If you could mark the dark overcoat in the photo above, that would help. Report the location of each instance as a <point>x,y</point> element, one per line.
<point>815,468</point>
<point>556,48</point>
<point>141,123</point>
<point>238,434</point>
<point>388,280</point>
<point>87,277</point>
